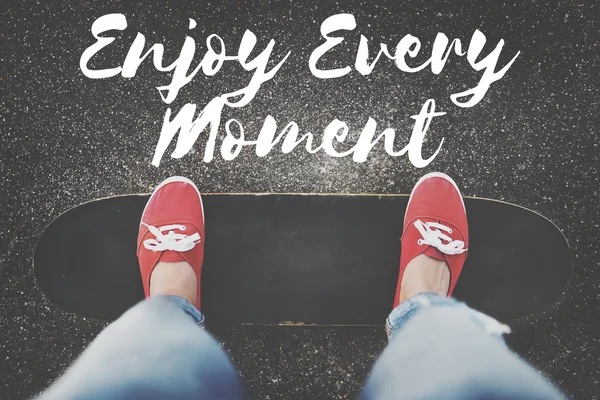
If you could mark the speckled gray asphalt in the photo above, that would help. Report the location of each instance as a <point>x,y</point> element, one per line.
<point>532,140</point>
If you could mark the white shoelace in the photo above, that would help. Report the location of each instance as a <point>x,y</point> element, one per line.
<point>433,235</point>
<point>171,241</point>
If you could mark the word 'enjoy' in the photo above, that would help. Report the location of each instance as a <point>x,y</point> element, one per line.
<point>214,58</point>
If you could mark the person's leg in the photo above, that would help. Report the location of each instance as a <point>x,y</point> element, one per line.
<point>440,348</point>
<point>156,350</point>
<point>159,349</point>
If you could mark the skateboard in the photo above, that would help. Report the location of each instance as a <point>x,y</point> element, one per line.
<point>300,259</point>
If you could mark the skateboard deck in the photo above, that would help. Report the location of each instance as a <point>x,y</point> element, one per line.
<point>296,259</point>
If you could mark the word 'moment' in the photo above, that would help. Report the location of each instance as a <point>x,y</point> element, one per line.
<point>190,126</point>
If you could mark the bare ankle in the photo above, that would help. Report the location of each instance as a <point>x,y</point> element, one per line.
<point>425,274</point>
<point>175,279</point>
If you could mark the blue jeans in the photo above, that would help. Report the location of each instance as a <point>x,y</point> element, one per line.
<point>439,349</point>
<point>156,350</point>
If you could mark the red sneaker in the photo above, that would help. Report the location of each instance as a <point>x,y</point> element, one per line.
<point>435,223</point>
<point>172,229</point>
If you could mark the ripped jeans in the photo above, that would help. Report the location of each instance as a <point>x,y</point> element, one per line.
<point>439,349</point>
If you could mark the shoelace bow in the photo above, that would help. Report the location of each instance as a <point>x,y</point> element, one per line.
<point>171,241</point>
<point>433,234</point>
